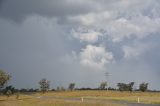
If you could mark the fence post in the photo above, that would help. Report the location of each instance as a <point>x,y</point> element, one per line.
<point>138,100</point>
<point>82,99</point>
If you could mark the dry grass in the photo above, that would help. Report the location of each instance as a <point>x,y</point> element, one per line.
<point>100,93</point>
<point>91,98</point>
<point>145,97</point>
<point>32,101</point>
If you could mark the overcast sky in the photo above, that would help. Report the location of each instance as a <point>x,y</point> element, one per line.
<point>79,40</point>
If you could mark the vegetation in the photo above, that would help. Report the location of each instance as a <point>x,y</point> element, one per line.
<point>145,97</point>
<point>71,86</point>
<point>44,85</point>
<point>17,95</point>
<point>103,85</point>
<point>32,101</point>
<point>125,87</point>
<point>91,98</point>
<point>11,88</point>
<point>143,87</point>
<point>4,78</point>
<point>8,93</point>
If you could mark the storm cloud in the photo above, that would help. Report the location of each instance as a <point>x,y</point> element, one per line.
<point>78,41</point>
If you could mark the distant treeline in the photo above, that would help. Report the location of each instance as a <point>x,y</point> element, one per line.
<point>32,90</point>
<point>45,86</point>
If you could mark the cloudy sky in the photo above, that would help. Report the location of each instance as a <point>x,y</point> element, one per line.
<point>79,40</point>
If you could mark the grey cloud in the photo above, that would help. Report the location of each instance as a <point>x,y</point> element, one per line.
<point>34,49</point>
<point>1,2</point>
<point>30,50</point>
<point>19,9</point>
<point>41,46</point>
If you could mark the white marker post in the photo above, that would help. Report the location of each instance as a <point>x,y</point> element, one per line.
<point>138,100</point>
<point>82,99</point>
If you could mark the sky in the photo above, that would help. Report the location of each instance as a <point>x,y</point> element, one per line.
<point>79,41</point>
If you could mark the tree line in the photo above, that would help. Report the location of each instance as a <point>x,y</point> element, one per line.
<point>45,86</point>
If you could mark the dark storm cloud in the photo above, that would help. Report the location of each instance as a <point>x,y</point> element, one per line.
<point>36,49</point>
<point>42,47</point>
<point>20,9</point>
<point>1,1</point>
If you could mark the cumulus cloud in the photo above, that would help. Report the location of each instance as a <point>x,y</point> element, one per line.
<point>92,57</point>
<point>95,57</point>
<point>93,18</point>
<point>120,19</point>
<point>117,29</point>
<point>87,35</point>
<point>123,21</point>
<point>139,26</point>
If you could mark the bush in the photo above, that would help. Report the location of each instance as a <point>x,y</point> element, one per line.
<point>8,93</point>
<point>143,87</point>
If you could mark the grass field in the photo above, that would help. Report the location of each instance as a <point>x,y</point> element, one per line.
<point>144,97</point>
<point>91,98</point>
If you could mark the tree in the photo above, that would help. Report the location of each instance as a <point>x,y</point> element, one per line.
<point>44,85</point>
<point>130,86</point>
<point>23,90</point>
<point>4,78</point>
<point>60,88</point>
<point>8,93</point>
<point>121,86</point>
<point>143,86</point>
<point>11,88</point>
<point>125,87</point>
<point>103,85</point>
<point>71,86</point>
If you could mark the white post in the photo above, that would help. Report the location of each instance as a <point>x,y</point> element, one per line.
<point>138,100</point>
<point>82,99</point>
